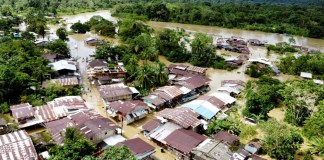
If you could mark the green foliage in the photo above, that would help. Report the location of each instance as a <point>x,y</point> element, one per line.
<point>314,125</point>
<point>248,131</point>
<point>267,17</point>
<point>101,26</point>
<point>58,47</point>
<point>256,71</point>
<point>117,153</point>
<point>62,34</point>
<point>79,27</point>
<point>281,49</point>
<point>230,125</point>
<point>4,108</point>
<point>109,52</point>
<point>54,90</point>
<point>262,96</point>
<point>305,63</point>
<point>129,29</point>
<point>317,146</point>
<point>75,147</point>
<point>280,141</point>
<point>202,50</point>
<point>144,45</point>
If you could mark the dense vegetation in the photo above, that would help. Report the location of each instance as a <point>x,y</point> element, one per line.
<point>312,63</point>
<point>302,20</point>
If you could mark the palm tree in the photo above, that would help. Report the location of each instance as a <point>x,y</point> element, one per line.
<point>160,75</point>
<point>317,146</point>
<point>144,76</point>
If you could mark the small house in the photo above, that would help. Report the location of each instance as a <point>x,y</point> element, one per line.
<point>227,138</point>
<point>227,99</point>
<point>139,148</point>
<point>159,134</point>
<point>17,145</point>
<point>211,149</point>
<point>22,113</point>
<point>65,82</point>
<point>154,101</point>
<point>128,111</point>
<point>64,67</point>
<point>150,126</point>
<point>240,154</point>
<point>93,41</point>
<point>253,147</point>
<point>197,70</point>
<point>306,75</point>
<point>115,92</point>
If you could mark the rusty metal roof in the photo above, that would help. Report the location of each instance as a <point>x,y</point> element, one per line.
<point>226,137</point>
<point>58,127</point>
<point>24,110</point>
<point>151,125</point>
<point>155,100</point>
<point>73,81</point>
<point>126,107</point>
<point>213,100</point>
<point>197,69</point>
<point>172,91</point>
<point>110,91</point>
<point>137,146</point>
<point>184,117</point>
<point>16,146</point>
<point>184,140</point>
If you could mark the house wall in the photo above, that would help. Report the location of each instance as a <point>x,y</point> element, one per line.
<point>102,135</point>
<point>123,97</point>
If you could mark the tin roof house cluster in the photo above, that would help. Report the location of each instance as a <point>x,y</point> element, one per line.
<point>100,72</point>
<point>185,83</point>
<point>26,115</point>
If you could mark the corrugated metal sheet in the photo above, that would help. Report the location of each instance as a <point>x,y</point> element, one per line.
<point>137,146</point>
<point>24,110</point>
<point>197,69</point>
<point>172,91</point>
<point>66,81</point>
<point>17,146</point>
<point>184,117</point>
<point>162,132</point>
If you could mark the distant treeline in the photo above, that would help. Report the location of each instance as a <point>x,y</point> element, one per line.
<point>304,20</point>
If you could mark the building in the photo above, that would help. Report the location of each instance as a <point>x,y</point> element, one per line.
<point>227,99</point>
<point>184,117</point>
<point>17,146</point>
<point>154,101</point>
<point>227,138</point>
<point>139,148</point>
<point>159,134</point>
<point>206,106</point>
<point>306,75</point>
<point>64,67</point>
<point>237,84</point>
<point>253,147</point>
<point>229,90</point>
<point>94,127</point>
<point>22,113</point>
<point>211,149</point>
<point>181,142</point>
<point>195,83</point>
<point>50,57</point>
<point>93,41</point>
<point>150,126</point>
<point>128,111</point>
<point>197,70</point>
<point>240,154</point>
<point>255,42</point>
<point>115,92</point>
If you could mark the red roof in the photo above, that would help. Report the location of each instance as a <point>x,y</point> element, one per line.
<point>24,110</point>
<point>184,140</point>
<point>137,146</point>
<point>151,125</point>
<point>185,117</point>
<point>226,137</point>
<point>155,100</point>
<point>213,100</point>
<point>126,107</point>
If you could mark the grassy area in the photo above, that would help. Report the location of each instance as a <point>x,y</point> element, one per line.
<point>78,11</point>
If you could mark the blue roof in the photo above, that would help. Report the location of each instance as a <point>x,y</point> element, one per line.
<point>206,113</point>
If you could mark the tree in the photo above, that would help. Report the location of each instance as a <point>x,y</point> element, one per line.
<point>144,76</point>
<point>41,30</point>
<point>58,47</point>
<point>280,141</point>
<point>79,27</point>
<point>75,146</point>
<point>145,46</point>
<point>129,29</point>
<point>160,72</point>
<point>314,125</point>
<point>62,34</point>
<point>317,146</point>
<point>230,125</point>
<point>106,51</point>
<point>117,153</point>
<point>202,50</point>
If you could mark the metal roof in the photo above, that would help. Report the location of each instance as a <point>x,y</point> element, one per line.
<point>63,64</point>
<point>17,146</point>
<point>163,131</point>
<point>126,107</point>
<point>203,107</point>
<point>151,125</point>
<point>227,99</point>
<point>229,90</point>
<point>172,91</point>
<point>211,149</point>
<point>66,81</point>
<point>137,146</point>
<point>185,117</point>
<point>306,75</point>
<point>24,110</point>
<point>197,69</point>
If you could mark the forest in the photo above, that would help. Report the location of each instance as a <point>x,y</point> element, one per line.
<point>304,20</point>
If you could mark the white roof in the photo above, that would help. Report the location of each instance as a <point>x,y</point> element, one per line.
<point>317,81</point>
<point>133,90</point>
<point>306,75</point>
<point>261,60</point>
<point>63,64</point>
<point>227,99</point>
<point>165,130</point>
<point>112,140</point>
<point>229,90</point>
<point>184,90</point>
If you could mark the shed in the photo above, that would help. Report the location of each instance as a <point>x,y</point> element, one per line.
<point>306,75</point>
<point>139,148</point>
<point>226,137</point>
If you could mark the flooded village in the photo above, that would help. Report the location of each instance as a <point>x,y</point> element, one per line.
<point>170,121</point>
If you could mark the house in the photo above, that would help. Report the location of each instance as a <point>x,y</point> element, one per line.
<point>65,82</point>
<point>17,145</point>
<point>22,112</point>
<point>64,67</point>
<point>227,99</point>
<point>41,42</point>
<point>178,69</point>
<point>182,116</point>
<point>317,81</point>
<point>128,111</point>
<point>93,41</point>
<point>238,84</point>
<point>195,83</point>
<point>211,149</point>
<point>115,92</point>
<point>71,104</point>
<point>150,126</point>
<point>227,138</point>
<point>171,93</point>
<point>253,147</point>
<point>111,141</point>
<point>154,101</point>
<point>263,61</point>
<point>306,75</point>
<point>94,127</point>
<point>235,62</point>
<point>16,35</point>
<point>139,148</point>
<point>240,154</point>
<point>206,106</point>
<point>160,133</point>
<point>181,142</point>
<point>255,42</point>
<point>197,70</point>
<point>50,57</point>
<point>229,90</point>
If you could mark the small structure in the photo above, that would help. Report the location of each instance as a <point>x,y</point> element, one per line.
<point>253,147</point>
<point>50,57</point>
<point>22,112</point>
<point>139,148</point>
<point>93,41</point>
<point>150,126</point>
<point>227,99</point>
<point>227,138</point>
<point>184,117</point>
<point>159,134</point>
<point>128,111</point>
<point>16,35</point>
<point>317,81</point>
<point>212,150</point>
<point>115,92</point>
<point>255,42</point>
<point>41,42</point>
<point>194,83</point>
<point>183,141</point>
<point>241,154</point>
<point>2,33</point>
<point>230,90</point>
<point>154,101</point>
<point>111,141</point>
<point>261,61</point>
<point>306,75</point>
<point>65,82</point>
<point>179,69</point>
<point>64,67</point>
<point>238,84</point>
<point>197,70</point>
<point>17,145</point>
